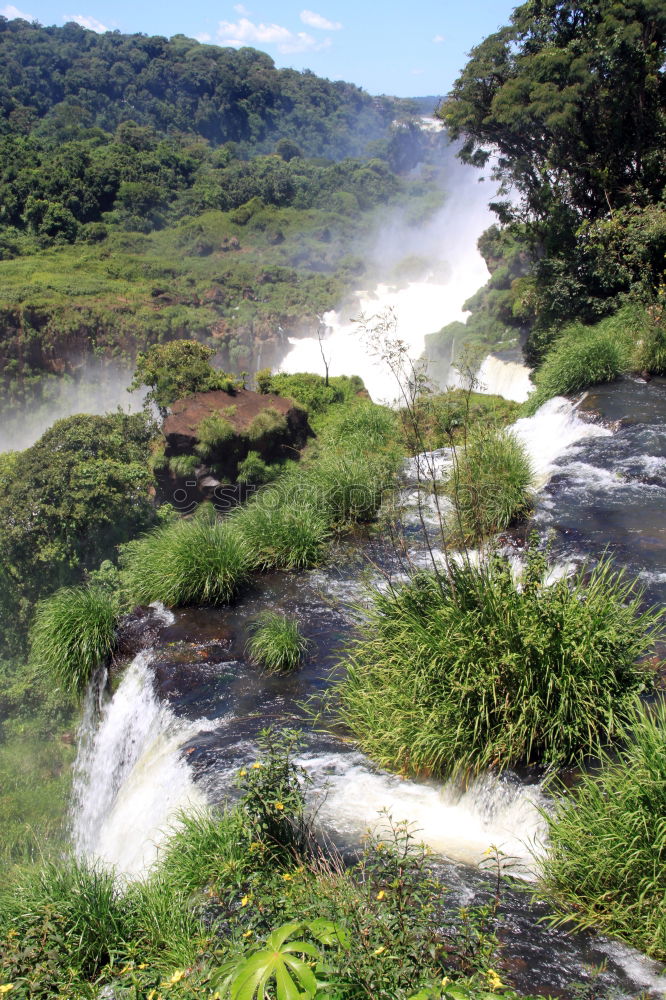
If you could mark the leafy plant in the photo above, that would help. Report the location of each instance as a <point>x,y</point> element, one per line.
<point>178,369</point>
<point>213,432</point>
<point>287,961</point>
<point>283,531</point>
<point>183,465</point>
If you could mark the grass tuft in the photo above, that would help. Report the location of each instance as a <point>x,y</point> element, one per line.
<point>479,671</point>
<point>277,643</point>
<point>72,633</point>
<point>283,529</point>
<point>490,485</point>
<point>606,866</point>
<point>197,560</point>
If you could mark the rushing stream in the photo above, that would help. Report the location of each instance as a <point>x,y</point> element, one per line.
<point>186,713</point>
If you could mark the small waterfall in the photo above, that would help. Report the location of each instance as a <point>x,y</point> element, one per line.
<point>461,825</point>
<point>554,428</point>
<point>129,778</point>
<point>509,379</point>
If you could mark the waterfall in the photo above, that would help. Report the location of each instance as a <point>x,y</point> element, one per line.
<point>129,778</point>
<point>551,431</point>
<point>509,379</point>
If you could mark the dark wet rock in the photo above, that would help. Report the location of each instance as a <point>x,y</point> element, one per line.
<point>137,631</point>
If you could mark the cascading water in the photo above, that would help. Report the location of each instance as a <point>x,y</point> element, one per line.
<point>129,777</point>
<point>510,379</point>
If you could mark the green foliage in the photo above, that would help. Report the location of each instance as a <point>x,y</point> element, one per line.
<point>273,793</point>
<point>283,529</point>
<point>72,634</point>
<point>475,670</point>
<point>196,560</point>
<point>254,471</point>
<point>177,369</point>
<point>290,963</point>
<point>268,423</point>
<point>183,465</point>
<point>312,391</point>
<point>489,485</point>
<point>607,839</point>
<point>68,500</point>
<point>206,849</point>
<point>583,356</point>
<point>264,381</point>
<point>277,643</point>
<point>213,433</point>
<point>445,419</point>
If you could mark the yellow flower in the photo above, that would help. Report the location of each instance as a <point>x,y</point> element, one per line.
<point>176,977</point>
<point>242,772</point>
<point>245,900</point>
<point>256,764</point>
<point>494,980</point>
<point>381,894</point>
<point>144,965</point>
<point>6,988</point>
<point>287,877</point>
<point>12,933</point>
<point>279,805</point>
<point>379,950</point>
<point>247,934</point>
<point>445,981</point>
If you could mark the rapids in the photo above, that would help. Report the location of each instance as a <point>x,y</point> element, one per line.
<point>186,713</point>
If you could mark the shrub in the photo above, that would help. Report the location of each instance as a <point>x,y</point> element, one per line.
<point>206,849</point>
<point>312,392</point>
<point>277,643</point>
<point>605,865</point>
<point>198,560</point>
<point>477,671</point>
<point>582,357</point>
<point>72,633</point>
<point>348,488</point>
<point>282,531</point>
<point>489,484</point>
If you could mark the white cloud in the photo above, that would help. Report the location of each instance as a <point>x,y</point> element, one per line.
<point>11,12</point>
<point>203,36</point>
<point>246,32</point>
<point>240,8</point>
<point>318,21</point>
<point>438,39</point>
<point>86,22</point>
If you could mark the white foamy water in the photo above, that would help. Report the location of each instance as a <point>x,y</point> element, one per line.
<point>509,379</point>
<point>462,826</point>
<point>420,307</point>
<point>553,429</point>
<point>130,779</point>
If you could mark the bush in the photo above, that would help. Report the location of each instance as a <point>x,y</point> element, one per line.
<point>605,865</point>
<point>198,560</point>
<point>349,488</point>
<point>312,392</point>
<point>282,530</point>
<point>254,471</point>
<point>72,633</point>
<point>581,357</point>
<point>478,671</point>
<point>183,465</point>
<point>266,424</point>
<point>489,485</point>
<point>277,643</point>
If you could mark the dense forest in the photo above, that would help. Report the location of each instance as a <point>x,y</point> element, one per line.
<point>566,106</point>
<point>192,190</point>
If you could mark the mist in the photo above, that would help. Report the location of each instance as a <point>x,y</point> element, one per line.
<point>97,387</point>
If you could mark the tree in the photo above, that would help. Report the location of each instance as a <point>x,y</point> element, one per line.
<point>571,99</point>
<point>178,369</point>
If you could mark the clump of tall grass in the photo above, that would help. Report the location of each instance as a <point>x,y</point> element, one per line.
<point>606,864</point>
<point>183,465</point>
<point>582,356</point>
<point>267,423</point>
<point>476,670</point>
<point>73,631</point>
<point>348,488</point>
<point>197,560</point>
<point>206,849</point>
<point>489,485</point>
<point>277,642</point>
<point>213,432</point>
<point>283,529</point>
<point>71,912</point>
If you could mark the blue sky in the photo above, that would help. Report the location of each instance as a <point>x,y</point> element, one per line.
<point>393,47</point>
